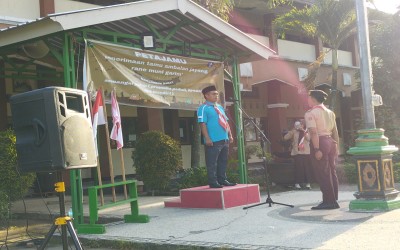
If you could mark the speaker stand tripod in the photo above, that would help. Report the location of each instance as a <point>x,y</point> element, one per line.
<point>64,221</point>
<point>263,140</point>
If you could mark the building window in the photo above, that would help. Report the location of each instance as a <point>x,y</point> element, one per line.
<point>129,131</point>
<point>303,73</point>
<point>185,130</point>
<point>254,93</point>
<point>250,131</point>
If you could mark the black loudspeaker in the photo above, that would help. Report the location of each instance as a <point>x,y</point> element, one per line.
<point>53,129</point>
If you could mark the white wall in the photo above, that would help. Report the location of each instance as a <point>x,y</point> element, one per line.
<point>344,57</point>
<point>306,52</point>
<point>30,9</point>
<point>127,153</point>
<point>296,51</point>
<point>117,166</point>
<point>186,156</point>
<point>27,9</point>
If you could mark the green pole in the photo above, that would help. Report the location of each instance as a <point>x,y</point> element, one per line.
<point>75,175</point>
<point>72,63</point>
<point>66,62</point>
<point>239,122</point>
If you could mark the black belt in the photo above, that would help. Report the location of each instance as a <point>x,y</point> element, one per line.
<point>221,142</point>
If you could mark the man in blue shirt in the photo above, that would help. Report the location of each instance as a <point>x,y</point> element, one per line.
<point>217,136</point>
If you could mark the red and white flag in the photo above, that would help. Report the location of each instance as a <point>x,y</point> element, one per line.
<point>97,115</point>
<point>116,132</point>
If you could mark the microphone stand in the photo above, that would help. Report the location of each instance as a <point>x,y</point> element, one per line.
<point>263,140</point>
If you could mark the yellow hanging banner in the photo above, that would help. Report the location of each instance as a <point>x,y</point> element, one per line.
<point>149,79</point>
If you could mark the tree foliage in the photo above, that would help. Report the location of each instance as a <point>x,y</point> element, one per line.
<point>331,21</point>
<point>385,48</point>
<point>223,8</point>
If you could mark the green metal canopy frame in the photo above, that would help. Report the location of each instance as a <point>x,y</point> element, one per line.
<point>180,27</point>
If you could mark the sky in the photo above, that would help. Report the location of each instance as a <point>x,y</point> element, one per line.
<point>389,6</point>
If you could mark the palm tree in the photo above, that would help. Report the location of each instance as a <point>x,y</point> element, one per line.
<point>331,21</point>
<point>223,8</point>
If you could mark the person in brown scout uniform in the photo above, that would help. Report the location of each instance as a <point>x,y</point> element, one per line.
<point>321,124</point>
<point>300,139</point>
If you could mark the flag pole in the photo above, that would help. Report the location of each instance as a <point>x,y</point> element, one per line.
<point>100,181</point>
<point>123,171</point>
<point>98,172</point>
<point>110,163</point>
<point>121,153</point>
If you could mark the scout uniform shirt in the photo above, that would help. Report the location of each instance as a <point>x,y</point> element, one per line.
<point>207,114</point>
<point>323,119</point>
<point>296,149</point>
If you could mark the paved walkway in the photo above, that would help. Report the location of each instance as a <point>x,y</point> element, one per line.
<point>262,227</point>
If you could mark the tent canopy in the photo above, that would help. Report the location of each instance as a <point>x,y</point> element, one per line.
<point>174,23</point>
<point>180,27</point>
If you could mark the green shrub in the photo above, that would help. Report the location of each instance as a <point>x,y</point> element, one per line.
<point>157,158</point>
<point>252,150</point>
<point>232,170</point>
<point>351,172</point>
<point>4,206</point>
<point>193,177</point>
<point>12,184</point>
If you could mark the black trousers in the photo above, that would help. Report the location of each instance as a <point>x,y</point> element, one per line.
<point>217,161</point>
<point>325,169</point>
<point>303,170</point>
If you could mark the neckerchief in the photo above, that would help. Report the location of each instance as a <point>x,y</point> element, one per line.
<point>301,143</point>
<point>221,118</point>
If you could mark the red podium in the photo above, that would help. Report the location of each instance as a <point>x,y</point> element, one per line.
<point>220,198</point>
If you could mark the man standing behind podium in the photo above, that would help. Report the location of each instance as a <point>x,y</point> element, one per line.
<point>217,136</point>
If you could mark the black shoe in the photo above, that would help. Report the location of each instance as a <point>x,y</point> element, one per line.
<point>336,204</point>
<point>227,183</point>
<point>216,185</point>
<point>325,206</point>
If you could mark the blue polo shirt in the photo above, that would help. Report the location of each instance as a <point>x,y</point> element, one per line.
<point>207,114</point>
